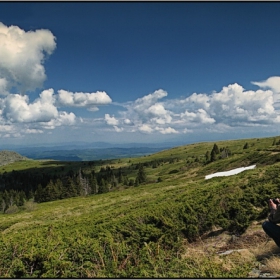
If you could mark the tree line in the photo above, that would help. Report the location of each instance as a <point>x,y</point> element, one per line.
<point>17,187</point>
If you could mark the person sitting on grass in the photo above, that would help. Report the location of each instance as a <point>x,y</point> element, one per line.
<point>270,226</point>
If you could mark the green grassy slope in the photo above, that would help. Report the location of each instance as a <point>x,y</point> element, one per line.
<point>142,231</point>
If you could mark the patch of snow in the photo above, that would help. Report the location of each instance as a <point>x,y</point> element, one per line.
<point>230,172</point>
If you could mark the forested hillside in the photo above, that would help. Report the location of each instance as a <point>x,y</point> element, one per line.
<point>133,217</point>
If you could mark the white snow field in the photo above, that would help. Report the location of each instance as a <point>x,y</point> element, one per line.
<point>230,172</point>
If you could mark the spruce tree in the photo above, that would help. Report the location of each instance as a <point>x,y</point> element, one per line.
<point>207,156</point>
<point>216,149</point>
<point>136,183</point>
<point>213,156</point>
<point>93,184</point>
<point>141,176</point>
<point>38,196</point>
<point>103,188</point>
<point>246,146</point>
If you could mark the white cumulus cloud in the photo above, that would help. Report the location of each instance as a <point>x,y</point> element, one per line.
<point>16,108</point>
<point>63,118</point>
<point>200,116</point>
<point>273,83</point>
<point>118,129</point>
<point>33,131</point>
<point>146,113</point>
<point>221,111</point>
<point>22,55</point>
<point>3,86</point>
<point>111,120</point>
<point>145,128</point>
<point>83,99</point>
<point>168,130</point>
<point>232,104</point>
<point>142,104</point>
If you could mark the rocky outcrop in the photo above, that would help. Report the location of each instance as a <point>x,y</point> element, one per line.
<point>7,157</point>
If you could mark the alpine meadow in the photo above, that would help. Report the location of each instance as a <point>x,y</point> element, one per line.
<point>150,216</point>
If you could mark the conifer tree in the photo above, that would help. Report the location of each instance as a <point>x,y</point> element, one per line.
<point>246,146</point>
<point>59,187</point>
<point>213,156</point>
<point>72,188</point>
<point>103,188</point>
<point>141,176</point>
<point>120,176</point>
<point>51,192</point>
<point>38,196</point>
<point>207,156</point>
<point>216,149</point>
<point>136,183</point>
<point>22,198</point>
<point>3,205</point>
<point>93,184</point>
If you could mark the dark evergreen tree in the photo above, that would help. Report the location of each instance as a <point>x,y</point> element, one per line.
<point>141,176</point>
<point>121,179</point>
<point>104,187</point>
<point>216,149</point>
<point>59,187</point>
<point>93,184</point>
<point>246,146</point>
<point>131,182</point>
<point>126,181</point>
<point>136,183</point>
<point>207,156</point>
<point>69,189</point>
<point>22,198</point>
<point>30,194</point>
<point>3,205</point>
<point>213,156</point>
<point>51,192</point>
<point>38,196</point>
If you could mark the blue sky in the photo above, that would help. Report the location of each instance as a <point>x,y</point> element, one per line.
<point>138,72</point>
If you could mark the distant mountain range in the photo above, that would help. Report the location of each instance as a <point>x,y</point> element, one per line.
<point>87,152</point>
<point>93,145</point>
<point>83,151</point>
